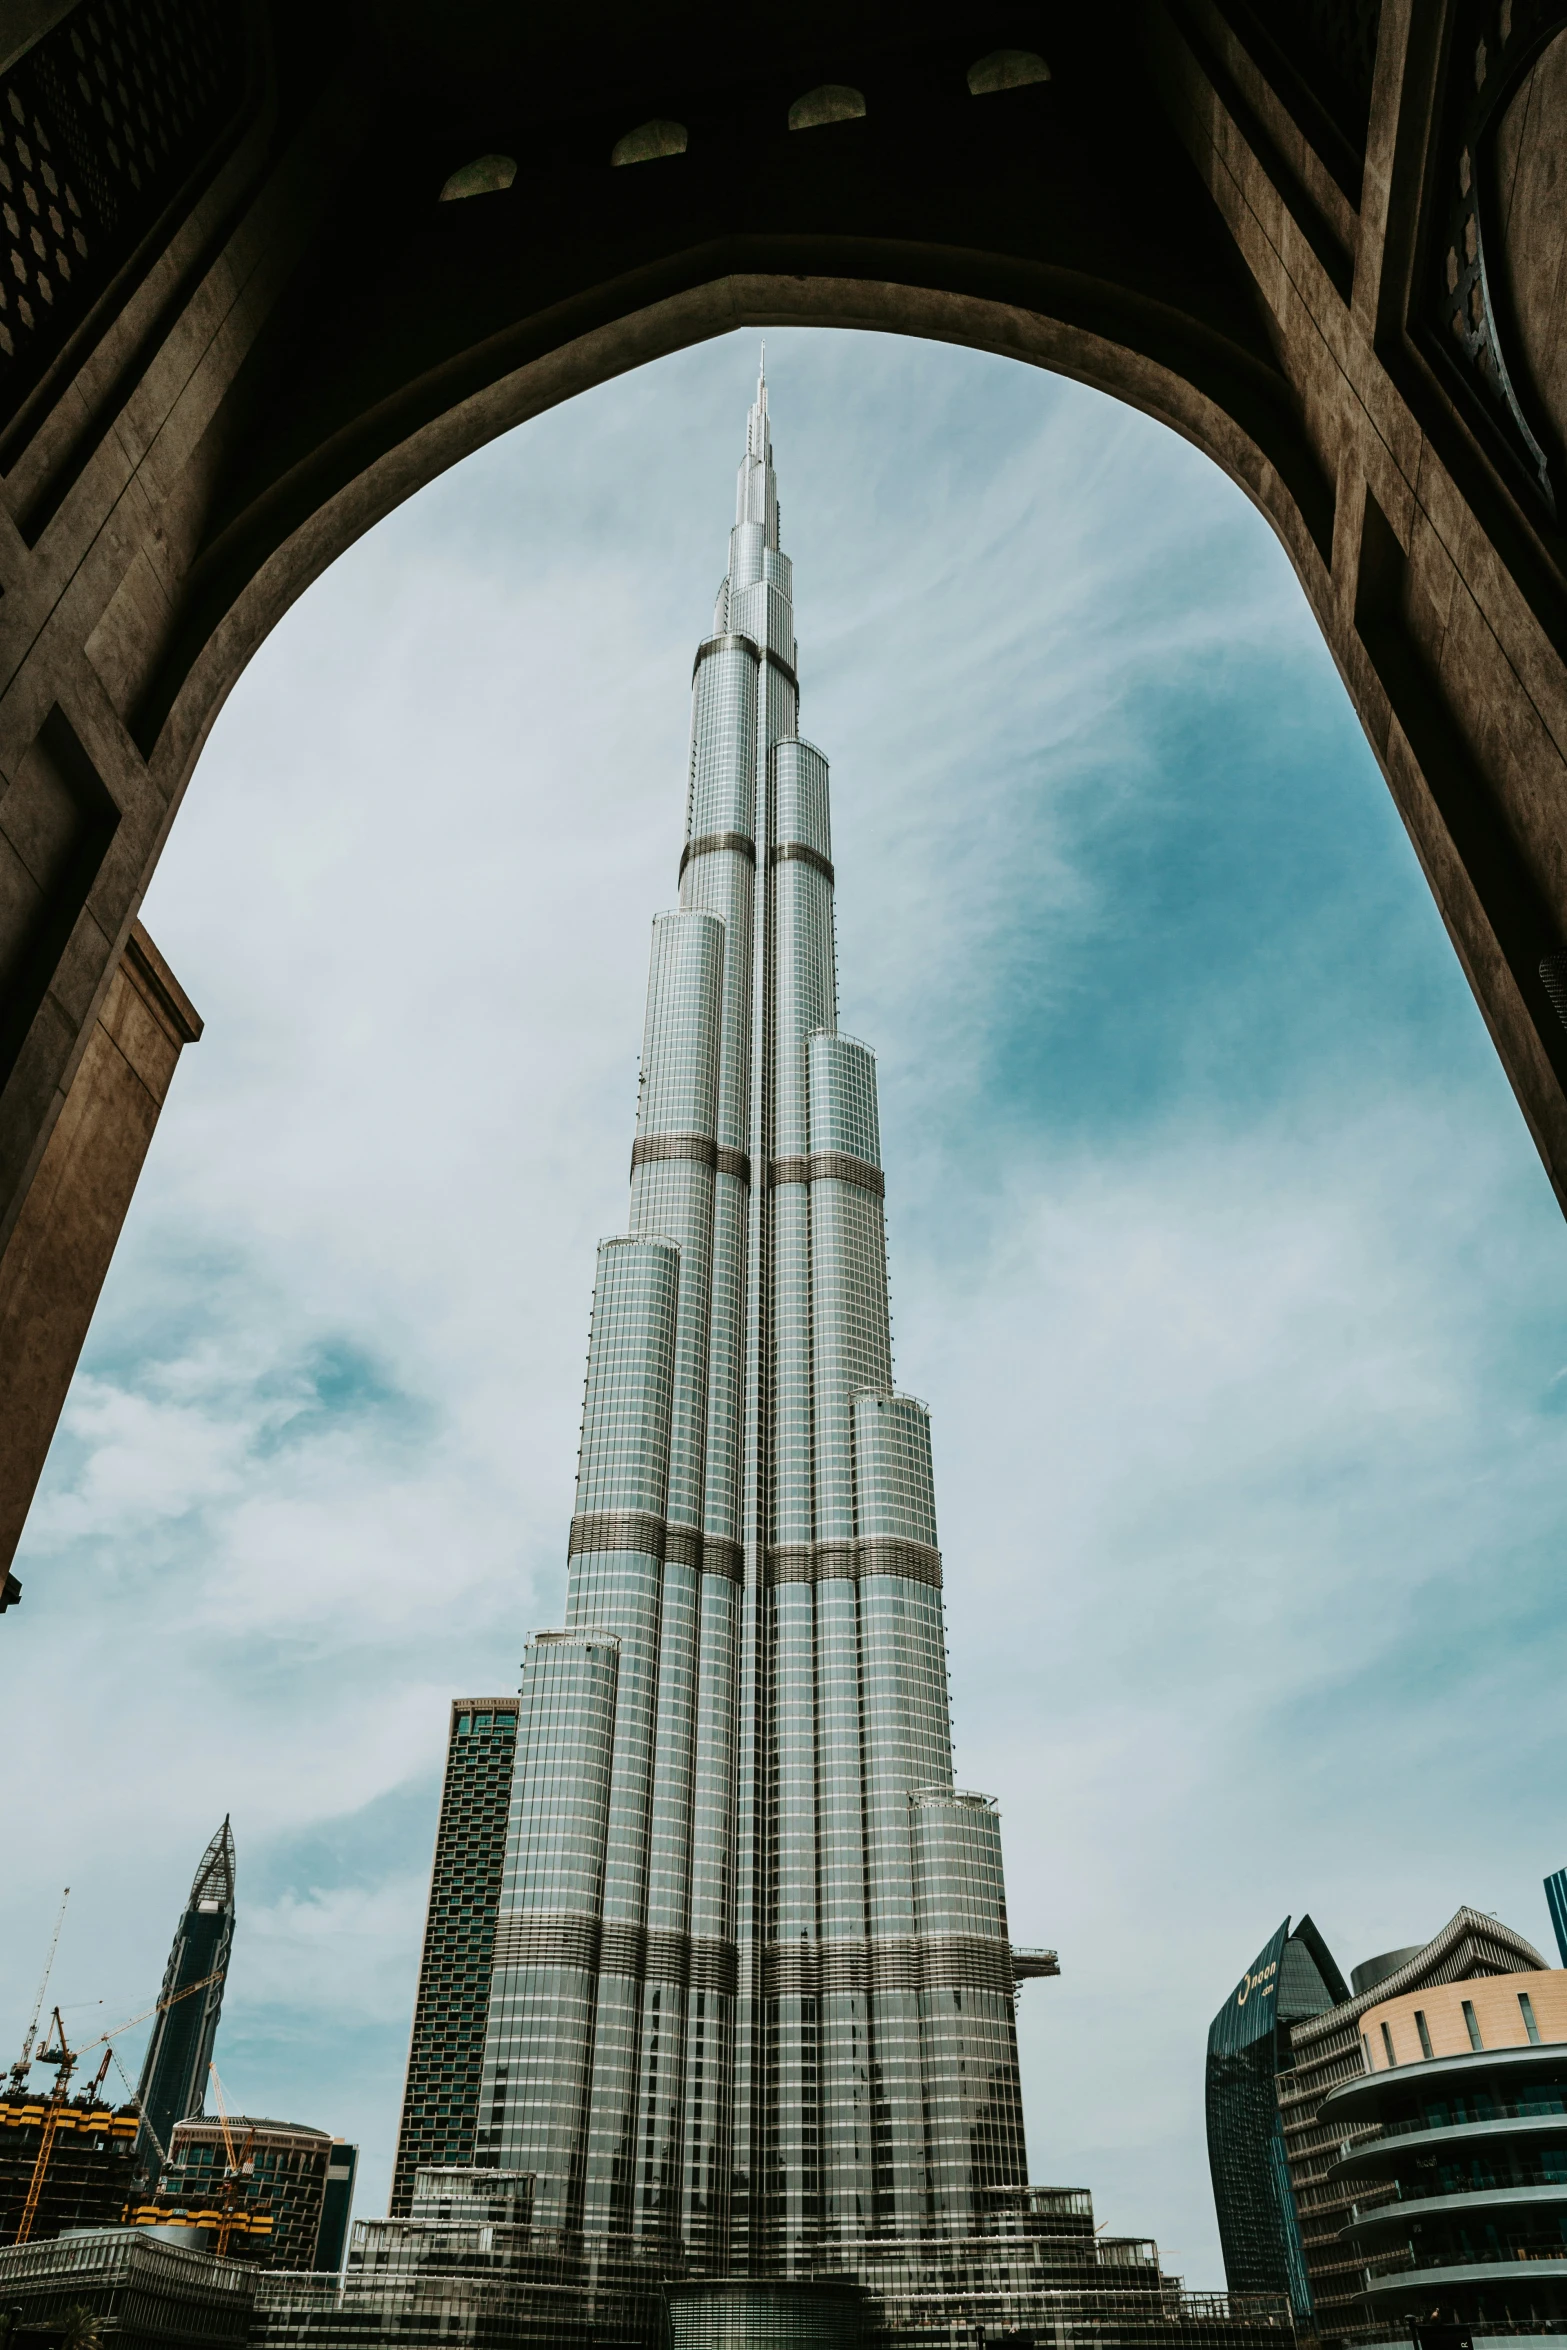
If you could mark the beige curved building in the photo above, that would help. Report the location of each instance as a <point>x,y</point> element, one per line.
<point>1452,2158</point>
<point>1459,2019</point>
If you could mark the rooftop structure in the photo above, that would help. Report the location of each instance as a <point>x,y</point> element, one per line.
<point>459,2267</point>
<point>145,2292</point>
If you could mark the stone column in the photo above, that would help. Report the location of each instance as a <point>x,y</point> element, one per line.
<point>54,1262</point>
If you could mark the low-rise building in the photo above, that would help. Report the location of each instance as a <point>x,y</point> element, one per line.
<point>1326,2051</point>
<point>1453,2157</point>
<point>1288,2036</point>
<point>292,2199</point>
<point>468,2270</point>
<point>144,2291</point>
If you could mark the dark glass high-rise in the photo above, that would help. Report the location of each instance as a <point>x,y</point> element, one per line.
<point>174,2071</point>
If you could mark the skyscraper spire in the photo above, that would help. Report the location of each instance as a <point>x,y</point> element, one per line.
<point>753,1998</point>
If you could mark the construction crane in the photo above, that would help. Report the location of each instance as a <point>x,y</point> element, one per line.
<point>237,2167</point>
<point>24,2063</point>
<point>133,2098</point>
<point>65,2059</point>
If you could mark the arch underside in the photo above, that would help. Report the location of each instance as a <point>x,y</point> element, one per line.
<point>346,488</point>
<point>306,334</point>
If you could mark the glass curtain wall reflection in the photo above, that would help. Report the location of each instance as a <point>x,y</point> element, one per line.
<point>753,1989</point>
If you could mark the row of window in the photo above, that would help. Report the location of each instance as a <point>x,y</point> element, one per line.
<point>1471,2025</point>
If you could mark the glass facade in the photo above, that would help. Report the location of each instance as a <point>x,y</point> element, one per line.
<point>468,2267</point>
<point>173,2081</point>
<point>753,1999</point>
<point>298,2179</point>
<point>441,2095</point>
<point>1293,1976</point>
<point>1556,1903</point>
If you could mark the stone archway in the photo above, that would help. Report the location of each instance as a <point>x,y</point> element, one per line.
<point>267,276</point>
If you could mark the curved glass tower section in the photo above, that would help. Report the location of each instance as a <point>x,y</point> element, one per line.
<point>753,1998</point>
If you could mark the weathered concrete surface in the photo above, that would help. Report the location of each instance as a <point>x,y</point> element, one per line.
<point>60,1244</point>
<point>1280,249</point>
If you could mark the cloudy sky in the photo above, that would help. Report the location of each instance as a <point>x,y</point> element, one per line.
<point>1218,1244</point>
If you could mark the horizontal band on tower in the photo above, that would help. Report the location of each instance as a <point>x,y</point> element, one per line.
<point>792,851</point>
<point>724,644</point>
<point>562,1938</point>
<point>831,1167</point>
<point>653,1537</point>
<point>569,1939</point>
<point>708,843</point>
<point>700,1147</point>
<point>874,1554</point>
<point>888,1962</point>
<point>653,1955</point>
<point>735,643</point>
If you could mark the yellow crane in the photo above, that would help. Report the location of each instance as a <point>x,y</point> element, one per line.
<point>237,2168</point>
<point>65,2059</point>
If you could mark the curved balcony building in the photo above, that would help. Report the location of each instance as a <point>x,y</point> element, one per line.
<point>1455,2156</point>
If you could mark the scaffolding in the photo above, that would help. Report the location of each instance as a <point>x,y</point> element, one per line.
<point>91,2174</point>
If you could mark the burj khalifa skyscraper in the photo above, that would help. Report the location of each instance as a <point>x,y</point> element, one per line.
<point>752,2000</point>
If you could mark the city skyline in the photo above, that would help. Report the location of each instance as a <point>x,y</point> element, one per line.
<point>1179,1127</point>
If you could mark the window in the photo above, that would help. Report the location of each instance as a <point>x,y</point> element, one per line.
<point>1387,2042</point>
<point>1426,2048</point>
<point>1475,2040</point>
<point>1366,2047</point>
<point>1526,2007</point>
<point>464,1722</point>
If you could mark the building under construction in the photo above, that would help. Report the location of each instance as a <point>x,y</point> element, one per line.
<point>277,2193</point>
<point>91,2175</point>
